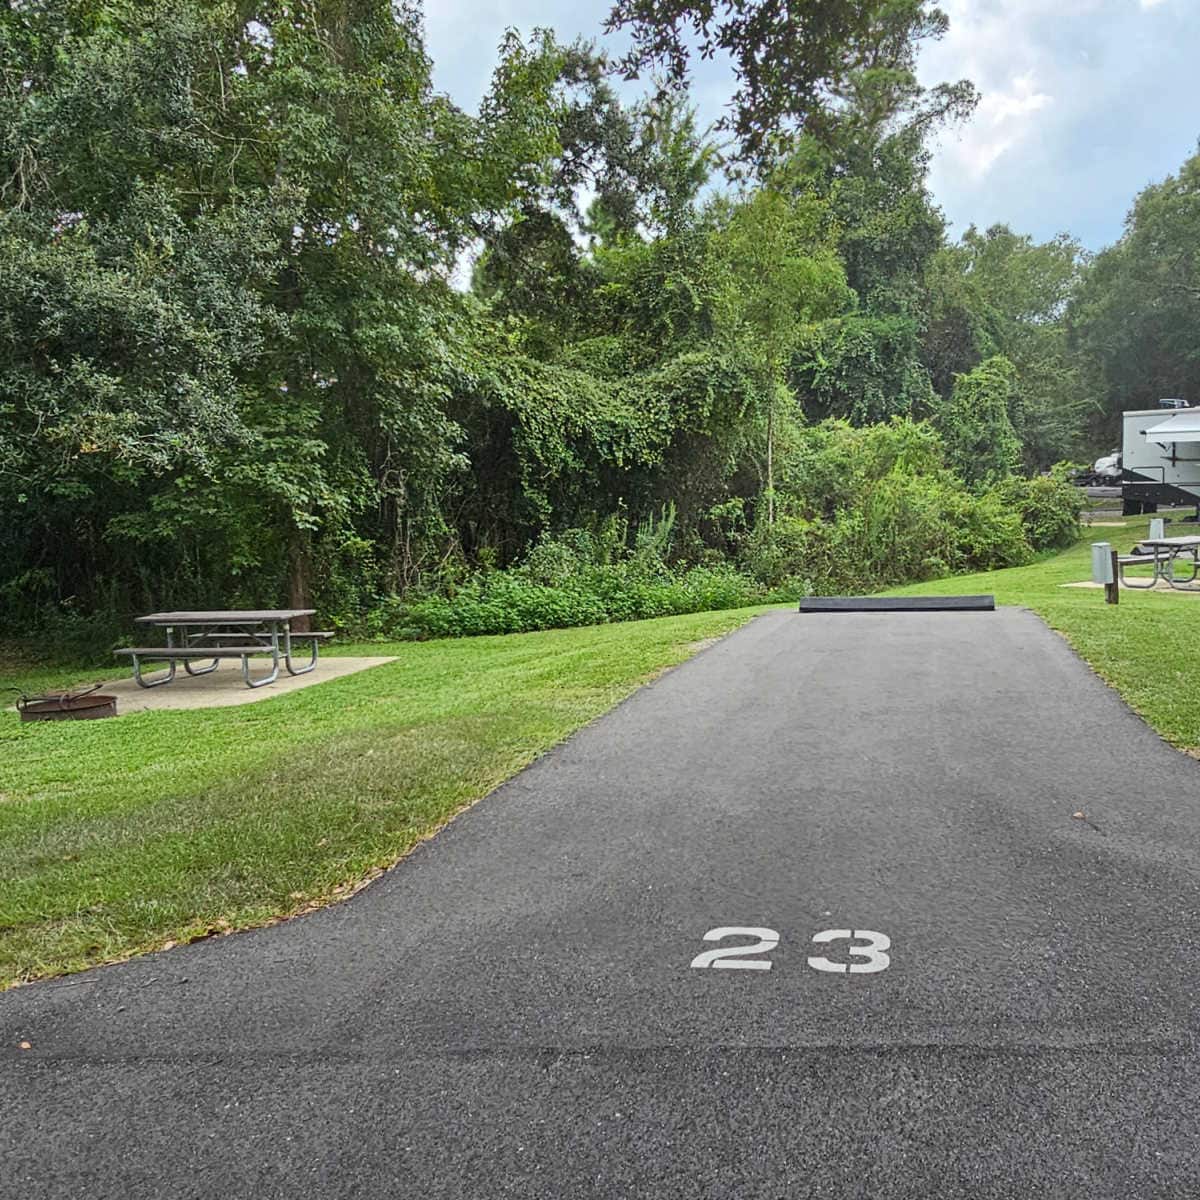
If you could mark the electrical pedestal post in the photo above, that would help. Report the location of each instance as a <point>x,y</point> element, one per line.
<point>1105,571</point>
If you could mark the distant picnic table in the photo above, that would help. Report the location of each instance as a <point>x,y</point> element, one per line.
<point>200,640</point>
<point>1162,554</point>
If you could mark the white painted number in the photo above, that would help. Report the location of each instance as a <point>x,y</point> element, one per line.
<point>737,958</point>
<point>730,958</point>
<point>875,953</point>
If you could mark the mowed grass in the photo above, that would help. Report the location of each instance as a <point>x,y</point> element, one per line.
<point>122,835</point>
<point>1147,646</point>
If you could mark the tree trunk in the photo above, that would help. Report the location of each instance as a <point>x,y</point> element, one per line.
<point>771,463</point>
<point>299,572</point>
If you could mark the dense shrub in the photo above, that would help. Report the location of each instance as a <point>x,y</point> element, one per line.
<point>868,508</point>
<point>513,601</point>
<point>1049,507</point>
<point>975,422</point>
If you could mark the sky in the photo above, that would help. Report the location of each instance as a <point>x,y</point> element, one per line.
<point>1084,102</point>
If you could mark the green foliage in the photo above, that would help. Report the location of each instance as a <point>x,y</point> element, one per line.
<point>659,293</point>
<point>831,465</point>
<point>578,579</point>
<point>862,508</point>
<point>888,226</point>
<point>976,422</point>
<point>237,365</point>
<point>861,369</point>
<point>795,71</point>
<point>643,166</point>
<point>867,365</point>
<point>1135,318</point>
<point>557,444</point>
<point>999,293</point>
<point>227,345</point>
<point>780,272</point>
<point>1049,506</point>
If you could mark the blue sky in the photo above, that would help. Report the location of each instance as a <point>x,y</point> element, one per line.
<point>1084,101</point>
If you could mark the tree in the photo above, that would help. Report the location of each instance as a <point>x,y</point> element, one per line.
<point>231,231</point>
<point>888,226</point>
<point>999,292</point>
<point>642,166</point>
<point>796,64</point>
<point>131,308</point>
<point>1134,320</point>
<point>235,362</point>
<point>781,272</point>
<point>870,163</point>
<point>861,368</point>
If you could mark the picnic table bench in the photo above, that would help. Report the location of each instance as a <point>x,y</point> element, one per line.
<point>209,637</point>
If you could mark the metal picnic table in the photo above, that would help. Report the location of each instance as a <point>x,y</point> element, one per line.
<point>1166,551</point>
<point>208,637</point>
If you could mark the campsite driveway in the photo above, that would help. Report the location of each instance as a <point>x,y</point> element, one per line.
<point>511,1012</point>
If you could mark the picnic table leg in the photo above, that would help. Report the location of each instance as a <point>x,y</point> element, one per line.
<point>1120,579</point>
<point>257,683</point>
<point>187,666</point>
<point>287,654</point>
<point>187,662</point>
<point>1162,565</point>
<point>1183,584</point>
<point>141,681</point>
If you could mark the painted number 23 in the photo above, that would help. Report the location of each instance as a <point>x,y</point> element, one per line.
<point>873,956</point>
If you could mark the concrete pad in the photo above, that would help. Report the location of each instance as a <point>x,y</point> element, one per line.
<point>1161,586</point>
<point>224,687</point>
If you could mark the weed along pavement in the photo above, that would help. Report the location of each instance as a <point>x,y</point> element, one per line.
<point>878,905</point>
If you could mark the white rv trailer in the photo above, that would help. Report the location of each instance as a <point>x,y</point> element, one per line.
<point>1160,458</point>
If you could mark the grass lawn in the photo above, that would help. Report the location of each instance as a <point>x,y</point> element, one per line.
<point>119,836</point>
<point>1147,646</point>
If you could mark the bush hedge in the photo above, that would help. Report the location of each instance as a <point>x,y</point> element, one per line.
<point>513,602</point>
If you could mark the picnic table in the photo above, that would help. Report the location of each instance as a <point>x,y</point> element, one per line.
<point>1162,554</point>
<point>200,640</point>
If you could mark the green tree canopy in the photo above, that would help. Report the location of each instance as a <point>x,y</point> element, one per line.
<point>798,67</point>
<point>1134,322</point>
<point>999,292</point>
<point>781,273</point>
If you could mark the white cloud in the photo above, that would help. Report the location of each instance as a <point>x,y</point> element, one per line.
<point>1019,101</point>
<point>1002,121</point>
<point>992,45</point>
<point>1032,78</point>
